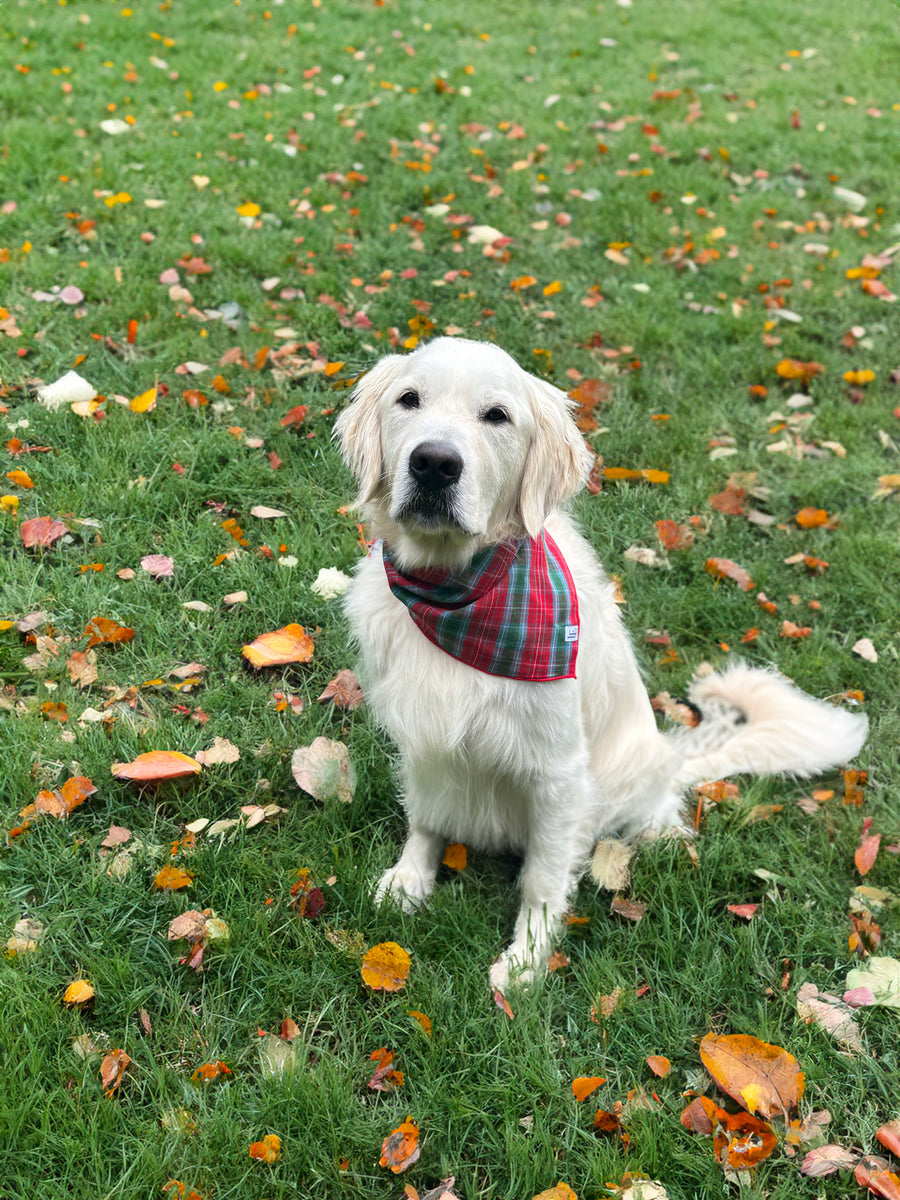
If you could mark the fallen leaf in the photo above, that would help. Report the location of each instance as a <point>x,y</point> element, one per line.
<point>105,630</point>
<point>610,864</point>
<point>746,911</point>
<point>210,1071</point>
<point>221,751</point>
<point>172,879</point>
<point>631,910</point>
<point>117,836</point>
<point>867,850</point>
<point>889,1136</point>
<point>423,1019</point>
<point>830,1014</point>
<point>291,644</point>
<point>268,1150</point>
<point>796,370</point>
<point>699,1116</point>
<point>26,935</point>
<point>826,1160</point>
<point>879,975</point>
<point>158,566</point>
<point>811,518</point>
<point>865,649</point>
<point>386,1077</point>
<point>742,1141</point>
<point>385,968</point>
<point>344,691</point>
<point>42,532</point>
<point>112,1069</point>
<point>455,857</point>
<point>145,402</point>
<point>763,1078</point>
<point>82,668</point>
<point>585,1085</point>
<point>659,1065</point>
<point>562,1191</point>
<point>724,568</point>
<point>154,766</point>
<point>674,536</point>
<point>78,992</point>
<point>400,1149</point>
<point>323,769</point>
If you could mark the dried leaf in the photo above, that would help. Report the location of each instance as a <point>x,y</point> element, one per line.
<point>610,864</point>
<point>455,857</point>
<point>104,630</point>
<point>221,751</point>
<point>385,968</point>
<point>831,1014</point>
<point>811,518</point>
<point>42,532</point>
<point>763,1078</point>
<point>324,770</point>
<point>585,1085</point>
<point>423,1019</point>
<point>659,1065</point>
<point>173,879</point>
<point>400,1149</point>
<point>290,644</point>
<point>386,1077</point>
<point>826,1160</point>
<point>344,690</point>
<point>724,568</point>
<point>674,536</point>
<point>631,910</point>
<point>82,668</point>
<point>881,976</point>
<point>562,1191</point>
<point>78,992</point>
<point>112,1069</point>
<point>268,1150</point>
<point>154,766</point>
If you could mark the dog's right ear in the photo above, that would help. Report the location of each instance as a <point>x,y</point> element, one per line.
<point>358,428</point>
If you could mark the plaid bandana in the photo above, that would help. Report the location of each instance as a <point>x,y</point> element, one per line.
<point>512,611</point>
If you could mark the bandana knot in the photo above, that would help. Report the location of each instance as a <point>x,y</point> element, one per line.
<point>512,611</point>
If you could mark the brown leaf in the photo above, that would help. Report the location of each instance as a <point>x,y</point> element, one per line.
<point>826,1160</point>
<point>82,668</point>
<point>674,536</point>
<point>831,1014</point>
<point>631,910</point>
<point>867,850</point>
<point>455,857</point>
<point>344,690</point>
<point>699,1116</point>
<point>763,1078</point>
<point>730,500</point>
<point>659,1065</point>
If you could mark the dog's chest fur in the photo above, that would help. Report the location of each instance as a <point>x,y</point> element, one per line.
<point>475,742</point>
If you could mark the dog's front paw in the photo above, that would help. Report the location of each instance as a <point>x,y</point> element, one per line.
<point>509,971</point>
<point>406,887</point>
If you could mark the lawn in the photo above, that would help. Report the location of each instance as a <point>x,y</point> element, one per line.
<point>219,216</point>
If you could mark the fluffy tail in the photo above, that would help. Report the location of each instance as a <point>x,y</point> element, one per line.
<point>756,721</point>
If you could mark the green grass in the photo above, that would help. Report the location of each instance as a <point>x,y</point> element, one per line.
<point>492,1096</point>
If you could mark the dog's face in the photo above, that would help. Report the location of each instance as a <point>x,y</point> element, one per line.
<point>456,447</point>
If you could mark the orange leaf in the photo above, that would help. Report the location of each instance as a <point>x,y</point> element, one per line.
<point>104,630</point>
<point>172,878</point>
<point>730,500</point>
<point>112,1069</point>
<point>659,1065</point>
<point>674,536</point>
<point>854,781</point>
<point>455,857</point>
<point>210,1071</point>
<point>268,1150</point>
<point>867,852</point>
<point>53,710</point>
<point>385,968</point>
<point>616,473</point>
<point>724,568</point>
<point>742,1141</point>
<point>194,398</point>
<point>290,644</point>
<point>259,359</point>
<point>789,629</point>
<point>523,281</point>
<point>157,765</point>
<point>21,478</point>
<point>763,1078</point>
<point>78,992</point>
<point>423,1019</point>
<point>585,1085</point>
<point>562,1191</point>
<point>811,518</point>
<point>400,1149</point>
<point>654,476</point>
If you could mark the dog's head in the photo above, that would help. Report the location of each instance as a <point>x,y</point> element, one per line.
<point>456,447</point>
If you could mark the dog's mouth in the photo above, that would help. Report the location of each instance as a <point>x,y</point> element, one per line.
<point>430,510</point>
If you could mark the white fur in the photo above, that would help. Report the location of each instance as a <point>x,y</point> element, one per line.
<point>541,768</point>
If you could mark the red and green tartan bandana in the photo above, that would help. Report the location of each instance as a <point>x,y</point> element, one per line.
<point>512,611</point>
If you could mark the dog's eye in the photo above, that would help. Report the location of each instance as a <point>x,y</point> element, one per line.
<point>409,399</point>
<point>495,416</point>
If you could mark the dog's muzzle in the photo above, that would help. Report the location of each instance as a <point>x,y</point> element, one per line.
<point>434,470</point>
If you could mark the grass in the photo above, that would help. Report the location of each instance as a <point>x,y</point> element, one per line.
<point>378,126</point>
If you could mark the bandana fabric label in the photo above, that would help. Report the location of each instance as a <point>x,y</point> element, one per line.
<point>512,611</point>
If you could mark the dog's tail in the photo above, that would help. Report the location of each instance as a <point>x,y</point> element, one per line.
<point>756,721</point>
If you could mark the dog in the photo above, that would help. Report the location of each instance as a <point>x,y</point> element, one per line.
<point>537,735</point>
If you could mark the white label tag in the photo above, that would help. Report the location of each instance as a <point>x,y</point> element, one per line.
<point>571,633</point>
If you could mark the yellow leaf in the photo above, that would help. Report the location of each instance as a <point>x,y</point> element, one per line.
<point>268,1150</point>
<point>145,402</point>
<point>20,478</point>
<point>248,210</point>
<point>78,992</point>
<point>552,288</point>
<point>385,968</point>
<point>173,879</point>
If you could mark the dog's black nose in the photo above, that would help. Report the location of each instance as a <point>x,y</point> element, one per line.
<point>435,466</point>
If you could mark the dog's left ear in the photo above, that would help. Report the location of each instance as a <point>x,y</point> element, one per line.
<point>358,428</point>
<point>558,460</point>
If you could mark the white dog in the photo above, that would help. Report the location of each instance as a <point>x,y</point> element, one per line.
<point>470,614</point>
